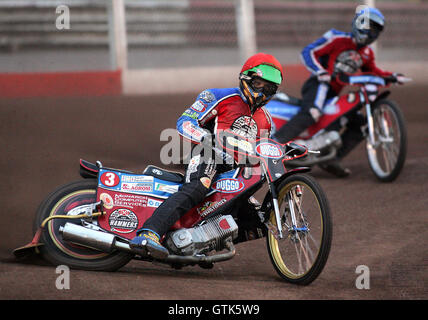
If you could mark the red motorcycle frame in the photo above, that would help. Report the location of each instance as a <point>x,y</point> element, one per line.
<point>385,129</point>
<point>88,224</point>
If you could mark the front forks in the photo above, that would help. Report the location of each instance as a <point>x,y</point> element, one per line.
<point>370,123</point>
<point>278,231</point>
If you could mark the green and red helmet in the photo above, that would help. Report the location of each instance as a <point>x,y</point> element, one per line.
<point>260,66</point>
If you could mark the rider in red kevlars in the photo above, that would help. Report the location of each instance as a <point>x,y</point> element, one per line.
<point>336,52</point>
<point>239,110</point>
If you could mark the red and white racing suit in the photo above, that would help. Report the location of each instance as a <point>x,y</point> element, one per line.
<point>214,110</point>
<point>328,54</point>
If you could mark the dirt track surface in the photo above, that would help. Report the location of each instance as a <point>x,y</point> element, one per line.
<point>381,226</point>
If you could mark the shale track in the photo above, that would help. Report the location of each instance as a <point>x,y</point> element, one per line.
<point>381,226</point>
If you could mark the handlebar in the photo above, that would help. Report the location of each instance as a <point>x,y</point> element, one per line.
<point>369,78</point>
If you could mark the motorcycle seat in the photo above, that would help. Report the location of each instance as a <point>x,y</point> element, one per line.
<point>163,174</point>
<point>281,96</point>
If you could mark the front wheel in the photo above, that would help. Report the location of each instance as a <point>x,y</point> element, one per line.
<point>388,152</point>
<point>60,252</point>
<point>301,254</point>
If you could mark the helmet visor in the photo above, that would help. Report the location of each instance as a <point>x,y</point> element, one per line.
<point>266,72</point>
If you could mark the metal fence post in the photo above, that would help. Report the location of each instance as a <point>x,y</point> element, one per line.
<point>118,44</point>
<point>246,28</point>
<point>372,4</point>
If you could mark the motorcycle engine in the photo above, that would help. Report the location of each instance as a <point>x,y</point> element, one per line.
<point>207,236</point>
<point>322,141</point>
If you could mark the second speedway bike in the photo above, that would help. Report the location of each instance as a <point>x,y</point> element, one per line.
<point>88,224</point>
<point>384,128</point>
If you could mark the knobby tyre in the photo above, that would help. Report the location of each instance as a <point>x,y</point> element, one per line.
<point>60,252</point>
<point>388,154</point>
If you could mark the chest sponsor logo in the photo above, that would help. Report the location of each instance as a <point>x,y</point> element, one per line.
<point>348,61</point>
<point>269,150</point>
<point>245,126</point>
<point>228,185</point>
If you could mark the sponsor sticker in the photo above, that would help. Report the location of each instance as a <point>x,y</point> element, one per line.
<point>224,224</point>
<point>123,221</point>
<point>136,187</point>
<point>192,130</point>
<point>107,200</point>
<point>228,185</point>
<point>206,182</point>
<point>166,187</point>
<point>152,203</point>
<point>269,150</point>
<point>157,171</point>
<point>198,106</point>
<point>241,144</point>
<point>207,96</point>
<point>137,179</point>
<point>209,207</point>
<point>110,179</point>
<point>130,200</point>
<point>191,114</point>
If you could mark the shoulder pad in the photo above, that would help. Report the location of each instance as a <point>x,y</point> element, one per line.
<point>335,33</point>
<point>212,95</point>
<point>209,98</point>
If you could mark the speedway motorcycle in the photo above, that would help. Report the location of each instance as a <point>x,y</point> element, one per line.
<point>384,130</point>
<point>88,224</point>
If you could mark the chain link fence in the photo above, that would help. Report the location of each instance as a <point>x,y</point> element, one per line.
<point>185,33</point>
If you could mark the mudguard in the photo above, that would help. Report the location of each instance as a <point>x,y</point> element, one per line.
<point>88,170</point>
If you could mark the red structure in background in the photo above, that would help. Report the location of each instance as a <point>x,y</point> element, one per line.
<point>94,83</point>
<point>60,84</point>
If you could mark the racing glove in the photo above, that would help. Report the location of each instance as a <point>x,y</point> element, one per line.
<point>396,78</point>
<point>323,76</point>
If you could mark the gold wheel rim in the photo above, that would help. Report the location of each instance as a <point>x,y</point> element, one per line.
<point>274,245</point>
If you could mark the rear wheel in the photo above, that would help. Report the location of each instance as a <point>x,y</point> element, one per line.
<point>60,252</point>
<point>388,153</point>
<point>300,256</point>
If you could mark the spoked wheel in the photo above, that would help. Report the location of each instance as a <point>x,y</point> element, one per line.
<point>301,254</point>
<point>388,153</point>
<point>61,252</point>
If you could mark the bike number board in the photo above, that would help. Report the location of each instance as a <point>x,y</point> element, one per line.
<point>129,199</point>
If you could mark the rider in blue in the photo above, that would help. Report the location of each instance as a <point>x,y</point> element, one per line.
<point>336,52</point>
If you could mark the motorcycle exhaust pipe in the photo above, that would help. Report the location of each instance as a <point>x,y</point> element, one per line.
<point>90,238</point>
<point>107,242</point>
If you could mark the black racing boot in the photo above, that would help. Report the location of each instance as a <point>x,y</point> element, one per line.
<point>334,167</point>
